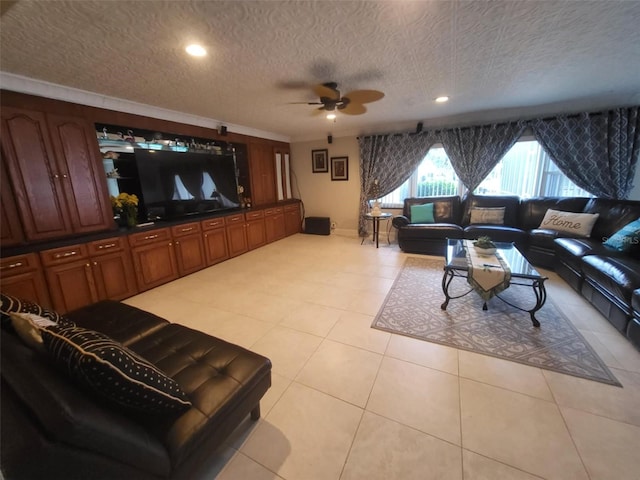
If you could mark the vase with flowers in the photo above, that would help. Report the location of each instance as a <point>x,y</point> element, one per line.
<point>126,206</point>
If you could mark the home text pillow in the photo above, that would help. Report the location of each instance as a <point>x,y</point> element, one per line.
<point>626,237</point>
<point>112,371</point>
<point>9,304</point>
<point>28,327</point>
<point>491,215</point>
<point>577,224</point>
<point>422,213</point>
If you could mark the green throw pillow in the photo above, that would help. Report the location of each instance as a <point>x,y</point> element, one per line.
<point>422,213</point>
<point>626,237</point>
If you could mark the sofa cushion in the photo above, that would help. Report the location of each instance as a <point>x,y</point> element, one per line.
<point>497,233</point>
<point>70,417</point>
<point>123,323</point>
<point>446,209</point>
<point>491,215</point>
<point>112,371</point>
<point>533,210</point>
<point>626,238</point>
<point>614,215</point>
<point>510,203</point>
<point>28,326</point>
<point>211,371</point>
<point>617,276</point>
<point>575,224</point>
<point>422,213</point>
<point>431,231</point>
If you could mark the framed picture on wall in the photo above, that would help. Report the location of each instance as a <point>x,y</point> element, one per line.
<point>339,168</point>
<point>320,161</point>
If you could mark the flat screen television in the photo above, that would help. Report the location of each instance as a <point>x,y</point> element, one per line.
<point>180,184</point>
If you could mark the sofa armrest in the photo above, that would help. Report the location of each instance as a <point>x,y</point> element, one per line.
<point>400,221</point>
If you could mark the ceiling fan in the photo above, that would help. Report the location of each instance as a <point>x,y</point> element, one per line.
<point>351,104</point>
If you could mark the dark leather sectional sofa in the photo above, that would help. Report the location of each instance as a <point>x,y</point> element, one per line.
<point>53,429</point>
<point>607,278</point>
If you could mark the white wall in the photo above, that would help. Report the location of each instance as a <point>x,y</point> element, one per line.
<point>322,197</point>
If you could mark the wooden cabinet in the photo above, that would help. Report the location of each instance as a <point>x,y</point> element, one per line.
<point>256,234</point>
<point>82,274</point>
<point>154,258</point>
<point>56,174</point>
<point>112,269</point>
<point>69,276</point>
<point>236,234</point>
<point>274,224</point>
<point>22,277</point>
<point>263,176</point>
<point>292,218</point>
<point>10,228</point>
<point>190,253</point>
<point>215,240</point>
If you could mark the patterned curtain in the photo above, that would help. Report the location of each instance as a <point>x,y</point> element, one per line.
<point>598,152</point>
<point>389,159</point>
<point>474,151</point>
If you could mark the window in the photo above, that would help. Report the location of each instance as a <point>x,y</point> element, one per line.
<point>525,170</point>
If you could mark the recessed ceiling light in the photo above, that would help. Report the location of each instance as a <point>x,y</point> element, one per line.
<point>442,99</point>
<point>196,50</point>
<point>331,116</point>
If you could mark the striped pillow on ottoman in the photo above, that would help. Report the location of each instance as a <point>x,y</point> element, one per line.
<point>112,371</point>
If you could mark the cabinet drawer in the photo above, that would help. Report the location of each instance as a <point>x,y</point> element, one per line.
<point>152,236</point>
<point>108,245</point>
<point>230,220</point>
<point>272,211</point>
<point>292,208</point>
<point>185,229</point>
<point>254,215</point>
<point>56,256</point>
<point>213,223</point>
<point>19,264</point>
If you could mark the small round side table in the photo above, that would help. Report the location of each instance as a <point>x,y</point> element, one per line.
<point>376,225</point>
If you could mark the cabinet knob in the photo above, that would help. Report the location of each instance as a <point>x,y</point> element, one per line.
<point>177,243</point>
<point>88,265</point>
<point>64,175</point>
<point>95,263</point>
<point>66,254</point>
<point>108,245</point>
<point>55,175</point>
<point>171,243</point>
<point>186,229</point>
<point>150,237</point>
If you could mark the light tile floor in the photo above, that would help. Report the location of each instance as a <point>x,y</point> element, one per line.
<point>351,402</point>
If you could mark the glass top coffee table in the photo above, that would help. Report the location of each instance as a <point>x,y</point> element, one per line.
<point>522,274</point>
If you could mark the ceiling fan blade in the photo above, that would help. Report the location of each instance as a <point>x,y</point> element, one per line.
<point>305,103</point>
<point>327,92</point>
<point>353,109</point>
<point>364,96</point>
<point>318,111</point>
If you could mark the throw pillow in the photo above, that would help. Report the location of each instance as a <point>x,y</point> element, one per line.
<point>27,326</point>
<point>490,215</point>
<point>577,224</point>
<point>626,237</point>
<point>422,213</point>
<point>112,371</point>
<point>9,304</point>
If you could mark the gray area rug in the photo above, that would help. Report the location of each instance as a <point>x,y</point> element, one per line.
<point>412,308</point>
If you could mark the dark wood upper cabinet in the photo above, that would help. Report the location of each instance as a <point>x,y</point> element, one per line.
<point>80,165</point>
<point>10,228</point>
<point>263,176</point>
<point>56,173</point>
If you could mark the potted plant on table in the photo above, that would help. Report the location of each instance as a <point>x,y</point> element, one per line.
<point>484,245</point>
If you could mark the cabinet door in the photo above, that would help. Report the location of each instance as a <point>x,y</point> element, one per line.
<point>190,254</point>
<point>215,244</point>
<point>10,228</point>
<point>34,174</point>
<point>114,276</point>
<point>71,285</point>
<point>256,234</point>
<point>292,218</point>
<point>236,235</point>
<point>155,264</point>
<point>262,172</point>
<point>82,173</point>
<point>22,277</point>
<point>274,224</point>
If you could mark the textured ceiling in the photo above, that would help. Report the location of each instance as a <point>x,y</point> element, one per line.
<point>495,59</point>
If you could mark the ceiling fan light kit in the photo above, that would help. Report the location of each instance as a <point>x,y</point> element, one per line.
<point>351,104</point>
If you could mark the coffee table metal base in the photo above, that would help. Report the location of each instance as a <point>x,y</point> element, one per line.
<point>536,284</point>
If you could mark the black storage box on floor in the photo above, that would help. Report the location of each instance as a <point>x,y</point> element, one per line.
<point>317,225</point>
